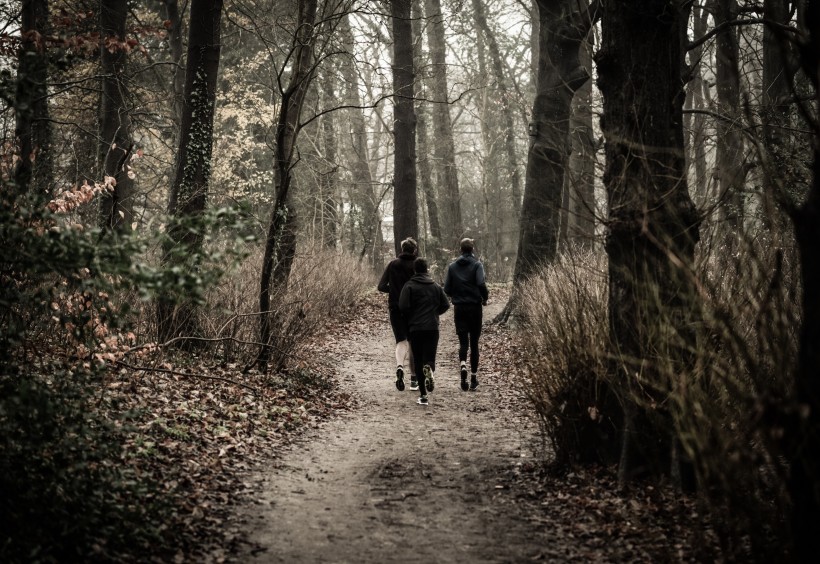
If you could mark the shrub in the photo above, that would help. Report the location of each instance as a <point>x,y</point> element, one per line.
<point>322,285</point>
<point>64,498</point>
<point>564,333</point>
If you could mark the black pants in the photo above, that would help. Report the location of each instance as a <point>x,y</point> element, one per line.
<point>468,318</point>
<point>399,324</point>
<point>424,345</point>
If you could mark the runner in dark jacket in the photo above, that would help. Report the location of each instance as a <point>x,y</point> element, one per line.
<point>396,274</point>
<point>421,302</point>
<point>467,289</point>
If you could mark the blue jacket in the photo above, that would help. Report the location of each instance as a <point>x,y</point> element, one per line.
<point>465,282</point>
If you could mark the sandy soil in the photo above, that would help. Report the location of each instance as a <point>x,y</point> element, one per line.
<point>393,481</point>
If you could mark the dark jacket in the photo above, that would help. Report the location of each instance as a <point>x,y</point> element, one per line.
<point>465,282</point>
<point>395,276</point>
<point>421,302</point>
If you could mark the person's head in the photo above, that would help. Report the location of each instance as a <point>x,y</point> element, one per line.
<point>420,266</point>
<point>467,246</point>
<point>409,246</point>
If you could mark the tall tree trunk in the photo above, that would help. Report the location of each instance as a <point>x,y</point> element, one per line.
<point>405,206</point>
<point>493,212</point>
<point>443,143</point>
<point>504,95</point>
<point>652,223</point>
<point>433,246</point>
<point>729,166</point>
<point>175,48</point>
<point>117,207</point>
<point>777,76</point>
<point>580,187</point>
<point>694,123</point>
<point>560,74</point>
<point>280,245</point>
<point>363,190</point>
<point>805,470</point>
<point>326,201</point>
<point>189,190</point>
<point>32,127</point>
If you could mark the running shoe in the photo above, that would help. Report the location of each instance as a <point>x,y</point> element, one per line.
<point>423,401</point>
<point>428,378</point>
<point>473,383</point>
<point>464,385</point>
<point>414,384</point>
<point>400,379</point>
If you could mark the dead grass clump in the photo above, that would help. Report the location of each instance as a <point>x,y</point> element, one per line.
<point>730,410</point>
<point>323,285</point>
<point>564,332</point>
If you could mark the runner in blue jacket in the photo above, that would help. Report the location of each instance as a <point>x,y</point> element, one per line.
<point>467,289</point>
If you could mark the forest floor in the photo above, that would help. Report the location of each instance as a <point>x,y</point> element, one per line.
<point>461,480</point>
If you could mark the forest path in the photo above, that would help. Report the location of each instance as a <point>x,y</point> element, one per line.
<point>393,481</point>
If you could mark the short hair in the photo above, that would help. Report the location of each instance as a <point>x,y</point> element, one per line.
<point>409,245</point>
<point>420,266</point>
<point>467,245</point>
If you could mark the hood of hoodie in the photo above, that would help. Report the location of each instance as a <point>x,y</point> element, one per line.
<point>422,279</point>
<point>464,260</point>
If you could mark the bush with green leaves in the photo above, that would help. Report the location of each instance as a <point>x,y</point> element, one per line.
<point>67,493</point>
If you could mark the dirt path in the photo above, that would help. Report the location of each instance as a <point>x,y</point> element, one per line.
<point>393,481</point>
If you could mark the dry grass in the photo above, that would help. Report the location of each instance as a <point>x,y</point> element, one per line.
<point>727,401</point>
<point>322,285</point>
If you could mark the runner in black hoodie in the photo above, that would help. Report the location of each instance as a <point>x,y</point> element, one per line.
<point>398,272</point>
<point>467,289</point>
<point>421,302</point>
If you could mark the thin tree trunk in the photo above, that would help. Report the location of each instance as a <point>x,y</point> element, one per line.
<point>433,246</point>
<point>327,181</point>
<point>117,207</point>
<point>443,143</point>
<point>729,166</point>
<point>405,206</point>
<point>363,189</point>
<point>189,190</point>
<point>280,245</point>
<point>32,126</point>
<point>694,123</point>
<point>493,213</point>
<point>504,94</point>
<point>652,223</point>
<point>777,77</point>
<point>176,52</point>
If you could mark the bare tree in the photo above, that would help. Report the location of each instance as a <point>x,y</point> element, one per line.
<point>189,190</point>
<point>405,206</point>
<point>425,171</point>
<point>32,126</point>
<point>117,207</point>
<point>362,192</point>
<point>443,143</point>
<point>652,223</point>
<point>280,244</point>
<point>562,32</point>
<point>730,169</point>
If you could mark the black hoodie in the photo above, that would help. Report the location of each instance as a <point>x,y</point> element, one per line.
<point>395,276</point>
<point>421,302</point>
